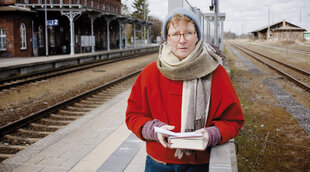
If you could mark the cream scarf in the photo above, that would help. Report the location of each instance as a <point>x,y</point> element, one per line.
<point>199,63</point>
<point>196,72</point>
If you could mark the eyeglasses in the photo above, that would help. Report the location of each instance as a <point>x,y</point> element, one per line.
<point>188,36</point>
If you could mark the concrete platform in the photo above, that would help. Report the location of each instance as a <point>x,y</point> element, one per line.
<point>99,141</point>
<point>10,67</point>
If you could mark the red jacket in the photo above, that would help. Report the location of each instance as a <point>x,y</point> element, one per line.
<point>154,96</point>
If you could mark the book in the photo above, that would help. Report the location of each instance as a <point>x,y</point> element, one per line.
<point>192,143</point>
<point>184,140</point>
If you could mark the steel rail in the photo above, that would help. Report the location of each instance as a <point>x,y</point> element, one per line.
<point>277,61</point>
<point>47,111</point>
<point>299,83</point>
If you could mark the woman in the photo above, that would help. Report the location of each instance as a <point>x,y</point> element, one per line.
<point>185,90</point>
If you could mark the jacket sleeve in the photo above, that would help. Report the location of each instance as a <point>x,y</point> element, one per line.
<point>225,108</point>
<point>138,111</point>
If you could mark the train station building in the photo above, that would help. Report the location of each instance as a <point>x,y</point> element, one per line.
<point>73,26</point>
<point>280,31</point>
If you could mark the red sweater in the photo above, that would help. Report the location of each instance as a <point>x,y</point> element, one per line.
<point>154,96</point>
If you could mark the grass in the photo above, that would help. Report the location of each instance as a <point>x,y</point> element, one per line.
<point>271,139</point>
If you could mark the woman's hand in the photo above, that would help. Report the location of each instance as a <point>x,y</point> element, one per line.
<point>162,138</point>
<point>205,135</point>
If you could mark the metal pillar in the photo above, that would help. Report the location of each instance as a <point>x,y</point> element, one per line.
<point>142,35</point>
<point>134,36</point>
<point>208,32</point>
<point>120,35</point>
<point>72,52</point>
<point>216,38</point>
<point>71,15</point>
<point>125,35</point>
<point>148,35</point>
<point>222,35</point>
<point>108,33</point>
<point>46,37</point>
<point>92,19</point>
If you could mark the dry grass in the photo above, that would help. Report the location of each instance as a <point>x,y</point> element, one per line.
<point>271,139</point>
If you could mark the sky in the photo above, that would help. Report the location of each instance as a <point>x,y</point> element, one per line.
<point>244,16</point>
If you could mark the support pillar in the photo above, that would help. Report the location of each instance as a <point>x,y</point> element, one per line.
<point>208,32</point>
<point>222,35</point>
<point>134,36</point>
<point>148,35</point>
<point>142,35</point>
<point>71,15</point>
<point>120,35</point>
<point>125,35</point>
<point>108,33</point>
<point>92,19</point>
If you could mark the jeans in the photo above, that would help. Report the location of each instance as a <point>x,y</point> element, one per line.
<point>153,166</point>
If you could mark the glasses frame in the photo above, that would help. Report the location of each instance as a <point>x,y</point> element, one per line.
<point>180,36</point>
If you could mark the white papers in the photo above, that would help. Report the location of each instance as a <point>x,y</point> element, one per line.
<point>170,133</point>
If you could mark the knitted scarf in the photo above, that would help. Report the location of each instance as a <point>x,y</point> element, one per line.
<point>199,63</point>
<point>196,72</point>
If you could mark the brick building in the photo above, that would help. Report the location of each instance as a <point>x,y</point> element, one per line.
<point>280,31</point>
<point>72,26</point>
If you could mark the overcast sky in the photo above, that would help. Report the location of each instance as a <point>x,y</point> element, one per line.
<point>245,16</point>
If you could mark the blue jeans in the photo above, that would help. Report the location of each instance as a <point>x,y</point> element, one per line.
<point>153,166</point>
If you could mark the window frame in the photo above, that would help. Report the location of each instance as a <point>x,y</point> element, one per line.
<point>23,36</point>
<point>2,40</point>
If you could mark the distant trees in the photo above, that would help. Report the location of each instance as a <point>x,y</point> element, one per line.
<point>230,35</point>
<point>141,11</point>
<point>156,28</point>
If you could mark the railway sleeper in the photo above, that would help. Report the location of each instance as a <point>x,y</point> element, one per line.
<point>114,91</point>
<point>81,109</point>
<point>21,139</point>
<point>65,117</point>
<point>96,100</point>
<point>108,93</point>
<point>47,127</point>
<point>57,122</point>
<point>91,102</point>
<point>102,97</point>
<point>44,133</point>
<point>84,105</point>
<point>70,113</point>
<point>107,96</point>
<point>18,147</point>
<point>5,156</point>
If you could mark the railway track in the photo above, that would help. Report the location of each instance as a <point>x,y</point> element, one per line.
<point>20,134</point>
<point>15,81</point>
<point>299,76</point>
<point>290,49</point>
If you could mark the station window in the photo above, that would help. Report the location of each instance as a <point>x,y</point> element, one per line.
<point>23,36</point>
<point>2,39</point>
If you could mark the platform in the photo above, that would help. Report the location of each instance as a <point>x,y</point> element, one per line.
<point>96,142</point>
<point>16,66</point>
<point>99,141</point>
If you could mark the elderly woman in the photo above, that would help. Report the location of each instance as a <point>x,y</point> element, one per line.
<point>186,89</point>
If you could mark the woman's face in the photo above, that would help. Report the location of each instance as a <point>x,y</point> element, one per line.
<point>177,34</point>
